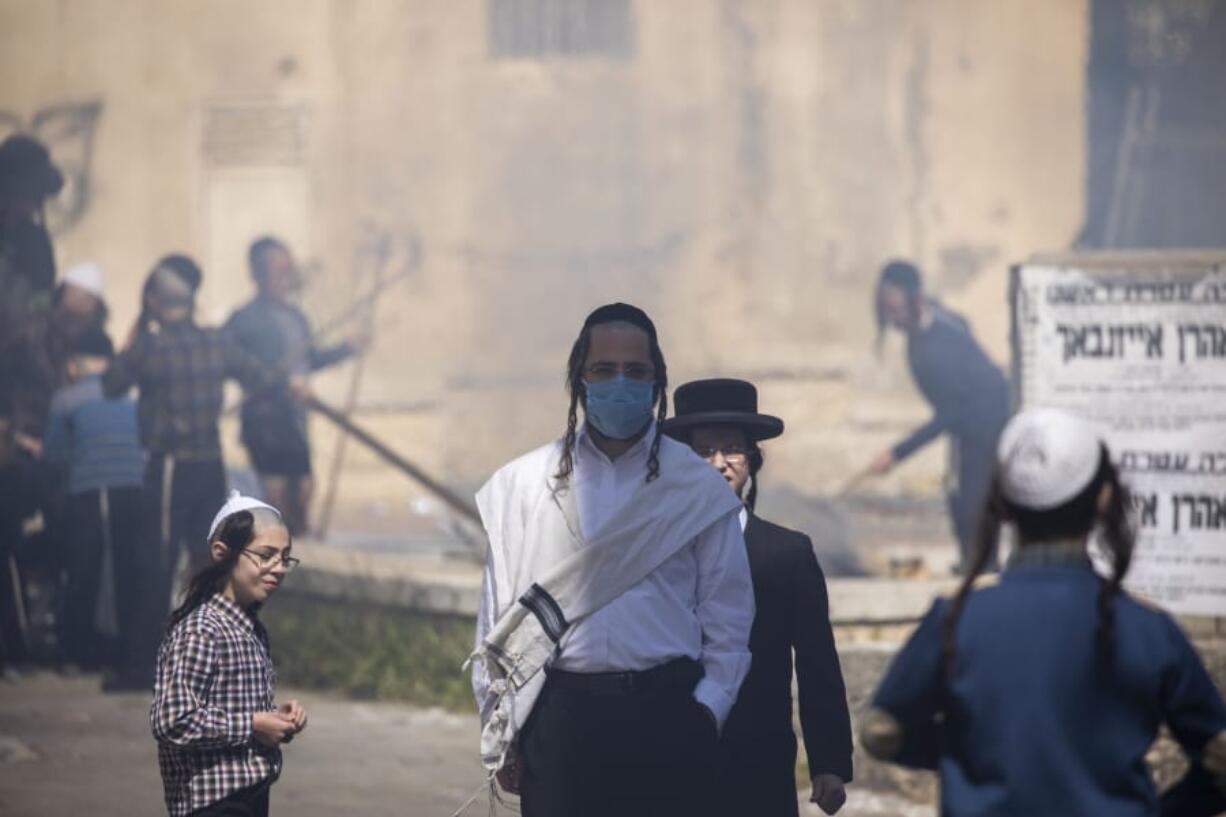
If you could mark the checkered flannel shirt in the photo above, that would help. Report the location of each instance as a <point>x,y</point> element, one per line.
<point>214,673</point>
<point>181,372</point>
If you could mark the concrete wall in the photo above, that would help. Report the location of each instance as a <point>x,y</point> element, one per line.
<point>742,173</point>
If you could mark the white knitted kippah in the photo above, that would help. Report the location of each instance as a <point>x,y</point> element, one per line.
<point>86,276</point>
<point>237,502</point>
<point>1046,457</point>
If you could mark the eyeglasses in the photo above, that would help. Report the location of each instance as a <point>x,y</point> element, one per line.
<point>732,454</point>
<point>269,561</point>
<point>600,372</point>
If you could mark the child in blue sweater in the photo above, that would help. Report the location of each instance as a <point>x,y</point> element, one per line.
<point>1042,694</point>
<point>96,441</point>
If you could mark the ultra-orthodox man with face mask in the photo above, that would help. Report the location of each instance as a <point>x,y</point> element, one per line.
<point>613,631</point>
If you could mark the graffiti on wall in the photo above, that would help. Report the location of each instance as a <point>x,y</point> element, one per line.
<point>67,129</point>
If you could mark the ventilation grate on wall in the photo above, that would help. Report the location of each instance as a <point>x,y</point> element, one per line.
<point>534,29</point>
<point>254,134</point>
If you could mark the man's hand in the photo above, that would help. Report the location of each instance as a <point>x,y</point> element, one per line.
<point>300,388</point>
<point>881,465</point>
<point>296,714</point>
<point>510,775</point>
<point>271,728</point>
<point>31,445</point>
<point>828,793</point>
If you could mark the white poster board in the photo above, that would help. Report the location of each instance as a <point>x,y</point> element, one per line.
<point>1138,345</point>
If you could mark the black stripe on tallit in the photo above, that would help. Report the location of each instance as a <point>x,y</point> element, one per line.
<point>546,611</point>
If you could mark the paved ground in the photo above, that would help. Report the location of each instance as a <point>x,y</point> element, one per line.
<point>65,748</point>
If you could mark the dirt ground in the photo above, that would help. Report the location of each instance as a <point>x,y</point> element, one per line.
<point>66,748</point>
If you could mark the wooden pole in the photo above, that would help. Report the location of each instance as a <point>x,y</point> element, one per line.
<point>457,503</point>
<point>382,252</point>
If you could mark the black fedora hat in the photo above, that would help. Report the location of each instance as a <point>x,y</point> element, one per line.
<point>720,401</point>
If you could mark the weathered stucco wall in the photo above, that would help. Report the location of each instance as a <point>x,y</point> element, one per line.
<point>741,170</point>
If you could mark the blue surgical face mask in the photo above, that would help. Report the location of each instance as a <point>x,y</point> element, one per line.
<point>619,408</point>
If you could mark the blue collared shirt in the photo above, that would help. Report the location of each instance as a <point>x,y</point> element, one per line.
<point>1033,721</point>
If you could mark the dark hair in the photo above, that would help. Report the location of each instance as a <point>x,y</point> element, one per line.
<point>93,342</point>
<point>236,531</point>
<point>184,267</point>
<point>905,276</point>
<point>26,169</point>
<point>1077,517</point>
<point>257,255</point>
<point>574,385</point>
<point>756,459</point>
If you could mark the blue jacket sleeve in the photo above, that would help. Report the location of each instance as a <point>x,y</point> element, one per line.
<point>321,358</point>
<point>913,692</point>
<point>57,440</point>
<point>1191,704</point>
<point>919,438</point>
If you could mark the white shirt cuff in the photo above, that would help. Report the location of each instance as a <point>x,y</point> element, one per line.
<point>709,694</point>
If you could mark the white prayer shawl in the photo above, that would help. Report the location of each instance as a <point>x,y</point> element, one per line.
<point>539,557</point>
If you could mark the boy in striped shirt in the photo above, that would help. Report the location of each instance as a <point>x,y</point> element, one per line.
<point>96,441</point>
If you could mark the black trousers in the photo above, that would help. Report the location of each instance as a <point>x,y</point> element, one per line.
<point>17,501</point>
<point>181,498</point>
<point>650,753</point>
<point>106,551</point>
<point>973,461</point>
<point>183,495</point>
<point>250,802</point>
<point>757,776</point>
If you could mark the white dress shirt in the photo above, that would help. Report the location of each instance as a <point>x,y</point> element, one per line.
<point>697,604</point>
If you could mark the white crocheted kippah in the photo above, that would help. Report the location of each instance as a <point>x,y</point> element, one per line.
<point>1047,457</point>
<point>237,502</point>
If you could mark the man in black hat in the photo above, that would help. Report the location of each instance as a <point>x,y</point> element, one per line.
<point>615,611</point>
<point>719,419</point>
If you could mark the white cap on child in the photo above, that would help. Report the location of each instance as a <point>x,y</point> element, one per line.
<point>1046,457</point>
<point>237,502</point>
<point>86,276</point>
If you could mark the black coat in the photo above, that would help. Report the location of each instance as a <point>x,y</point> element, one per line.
<point>759,746</point>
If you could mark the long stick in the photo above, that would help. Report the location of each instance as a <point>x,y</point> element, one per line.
<point>850,485</point>
<point>454,501</point>
<point>355,383</point>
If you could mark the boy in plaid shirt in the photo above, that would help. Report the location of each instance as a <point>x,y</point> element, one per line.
<point>219,733</point>
<point>180,369</point>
